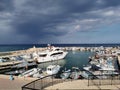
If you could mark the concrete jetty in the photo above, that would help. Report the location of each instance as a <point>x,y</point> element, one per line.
<point>8,65</point>
<point>13,63</point>
<point>10,62</point>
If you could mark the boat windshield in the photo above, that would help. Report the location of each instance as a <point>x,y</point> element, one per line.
<point>57,49</point>
<point>43,55</point>
<point>49,69</point>
<point>56,53</point>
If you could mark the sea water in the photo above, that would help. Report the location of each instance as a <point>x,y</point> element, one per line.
<point>14,47</point>
<point>73,59</point>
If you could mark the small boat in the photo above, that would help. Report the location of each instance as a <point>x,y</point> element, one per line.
<point>106,67</point>
<point>16,72</point>
<point>107,74</point>
<point>88,67</point>
<point>53,69</point>
<point>26,56</point>
<point>87,74</point>
<point>2,60</point>
<point>38,75</point>
<point>24,64</point>
<point>91,67</point>
<point>65,74</point>
<point>30,72</point>
<point>75,74</point>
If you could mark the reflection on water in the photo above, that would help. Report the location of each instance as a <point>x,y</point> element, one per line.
<point>73,59</point>
<point>77,59</point>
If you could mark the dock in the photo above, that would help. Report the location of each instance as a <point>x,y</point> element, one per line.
<point>13,63</point>
<point>9,63</point>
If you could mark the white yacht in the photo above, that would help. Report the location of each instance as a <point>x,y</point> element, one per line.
<point>106,64</point>
<point>30,72</point>
<point>53,69</point>
<point>87,68</point>
<point>52,53</point>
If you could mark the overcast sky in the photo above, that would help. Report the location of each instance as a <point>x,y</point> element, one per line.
<point>59,21</point>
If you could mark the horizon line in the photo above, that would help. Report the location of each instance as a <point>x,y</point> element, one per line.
<point>55,43</point>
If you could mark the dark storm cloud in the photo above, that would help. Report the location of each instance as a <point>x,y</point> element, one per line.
<point>37,27</point>
<point>109,3</point>
<point>6,5</point>
<point>45,20</point>
<point>45,13</point>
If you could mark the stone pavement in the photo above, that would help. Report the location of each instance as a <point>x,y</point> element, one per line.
<point>16,84</point>
<point>81,85</point>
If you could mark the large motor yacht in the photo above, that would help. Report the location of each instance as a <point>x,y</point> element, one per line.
<point>50,54</point>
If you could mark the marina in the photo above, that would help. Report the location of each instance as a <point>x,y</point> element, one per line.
<point>59,44</point>
<point>18,63</point>
<point>80,63</point>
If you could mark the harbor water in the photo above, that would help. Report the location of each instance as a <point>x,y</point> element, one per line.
<point>73,59</point>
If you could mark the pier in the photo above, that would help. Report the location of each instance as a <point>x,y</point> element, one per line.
<point>10,62</point>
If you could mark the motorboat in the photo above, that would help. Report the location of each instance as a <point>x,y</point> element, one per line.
<point>39,74</point>
<point>106,64</point>
<point>87,74</point>
<point>50,54</point>
<point>53,69</point>
<point>16,72</point>
<point>106,67</point>
<point>66,74</point>
<point>26,56</point>
<point>88,67</point>
<point>2,60</point>
<point>24,64</point>
<point>30,72</point>
<point>91,67</point>
<point>75,73</point>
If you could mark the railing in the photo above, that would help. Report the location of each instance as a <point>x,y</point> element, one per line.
<point>42,83</point>
<point>111,79</point>
<point>103,79</point>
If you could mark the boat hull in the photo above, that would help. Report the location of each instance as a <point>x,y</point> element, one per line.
<point>52,58</point>
<point>54,70</point>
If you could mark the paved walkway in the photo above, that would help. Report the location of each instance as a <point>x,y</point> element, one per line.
<point>6,84</point>
<point>80,84</point>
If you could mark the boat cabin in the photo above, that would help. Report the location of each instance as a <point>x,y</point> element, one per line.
<point>53,69</point>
